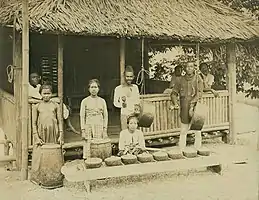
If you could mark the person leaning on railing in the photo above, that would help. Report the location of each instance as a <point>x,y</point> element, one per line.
<point>208,79</point>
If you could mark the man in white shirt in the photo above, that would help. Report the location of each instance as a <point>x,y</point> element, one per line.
<point>126,96</point>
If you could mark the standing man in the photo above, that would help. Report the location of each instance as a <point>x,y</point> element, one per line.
<point>189,88</point>
<point>126,96</point>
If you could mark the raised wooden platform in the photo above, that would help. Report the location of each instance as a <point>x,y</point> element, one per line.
<point>87,175</point>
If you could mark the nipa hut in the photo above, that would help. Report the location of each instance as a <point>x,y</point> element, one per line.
<point>75,40</point>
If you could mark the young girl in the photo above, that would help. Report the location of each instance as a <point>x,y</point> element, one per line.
<point>93,115</point>
<point>131,139</point>
<point>46,126</point>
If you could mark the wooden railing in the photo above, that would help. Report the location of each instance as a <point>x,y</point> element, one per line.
<point>166,121</point>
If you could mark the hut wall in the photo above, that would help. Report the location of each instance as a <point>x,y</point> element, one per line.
<point>7,115</point>
<point>6,53</point>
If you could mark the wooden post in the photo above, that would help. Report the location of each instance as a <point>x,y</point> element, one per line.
<point>25,84</point>
<point>231,64</point>
<point>17,63</point>
<point>60,77</point>
<point>122,59</point>
<point>198,55</point>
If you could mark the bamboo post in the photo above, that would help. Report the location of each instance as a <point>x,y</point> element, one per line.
<point>122,59</point>
<point>231,64</point>
<point>198,55</point>
<point>25,82</point>
<point>60,77</point>
<point>17,63</point>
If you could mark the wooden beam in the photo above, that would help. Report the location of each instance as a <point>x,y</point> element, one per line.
<point>60,75</point>
<point>122,59</point>
<point>25,85</point>
<point>231,64</point>
<point>17,63</point>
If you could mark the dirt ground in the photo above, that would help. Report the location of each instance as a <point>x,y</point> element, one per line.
<point>238,181</point>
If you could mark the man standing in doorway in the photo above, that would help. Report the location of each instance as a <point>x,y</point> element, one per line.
<point>126,96</point>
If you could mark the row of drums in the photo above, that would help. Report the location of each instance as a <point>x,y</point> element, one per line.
<point>147,157</point>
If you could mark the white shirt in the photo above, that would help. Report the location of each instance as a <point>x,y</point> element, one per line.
<point>208,80</point>
<point>34,91</point>
<point>134,139</point>
<point>132,97</point>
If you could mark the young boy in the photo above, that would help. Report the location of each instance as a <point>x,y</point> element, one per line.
<point>131,139</point>
<point>189,87</point>
<point>34,88</point>
<point>126,96</point>
<point>208,79</point>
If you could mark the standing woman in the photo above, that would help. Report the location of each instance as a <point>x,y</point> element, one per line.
<point>93,116</point>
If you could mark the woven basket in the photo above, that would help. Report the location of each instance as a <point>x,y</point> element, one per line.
<point>113,161</point>
<point>190,152</point>
<point>175,154</point>
<point>93,162</point>
<point>203,151</point>
<point>129,159</point>
<point>145,157</point>
<point>160,156</point>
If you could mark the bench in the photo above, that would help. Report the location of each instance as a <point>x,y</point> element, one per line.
<point>212,163</point>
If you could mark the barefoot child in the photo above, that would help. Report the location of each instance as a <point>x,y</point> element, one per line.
<point>46,127</point>
<point>189,87</point>
<point>35,97</point>
<point>93,116</point>
<point>131,139</point>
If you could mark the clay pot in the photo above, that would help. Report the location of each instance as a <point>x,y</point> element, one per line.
<point>113,161</point>
<point>145,157</point>
<point>203,151</point>
<point>175,154</point>
<point>160,156</point>
<point>93,162</point>
<point>190,152</point>
<point>129,159</point>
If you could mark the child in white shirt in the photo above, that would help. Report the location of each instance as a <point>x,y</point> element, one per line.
<point>131,139</point>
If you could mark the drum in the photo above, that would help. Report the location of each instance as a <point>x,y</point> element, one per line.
<point>46,166</point>
<point>147,112</point>
<point>199,116</point>
<point>101,148</point>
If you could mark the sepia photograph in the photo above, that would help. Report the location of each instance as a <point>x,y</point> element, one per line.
<point>129,99</point>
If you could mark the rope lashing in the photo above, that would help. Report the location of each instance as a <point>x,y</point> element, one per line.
<point>10,74</point>
<point>141,78</point>
<point>141,74</point>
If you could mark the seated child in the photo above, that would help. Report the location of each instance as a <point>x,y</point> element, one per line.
<point>131,139</point>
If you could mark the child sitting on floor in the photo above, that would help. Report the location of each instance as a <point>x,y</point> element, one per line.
<point>131,139</point>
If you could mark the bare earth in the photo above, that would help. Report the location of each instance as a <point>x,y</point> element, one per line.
<point>238,181</point>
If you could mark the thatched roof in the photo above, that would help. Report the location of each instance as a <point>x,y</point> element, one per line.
<point>198,20</point>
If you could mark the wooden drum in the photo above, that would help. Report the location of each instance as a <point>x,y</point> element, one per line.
<point>146,115</point>
<point>47,166</point>
<point>101,148</point>
<point>199,116</point>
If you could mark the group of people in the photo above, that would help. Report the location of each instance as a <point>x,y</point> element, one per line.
<point>47,126</point>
